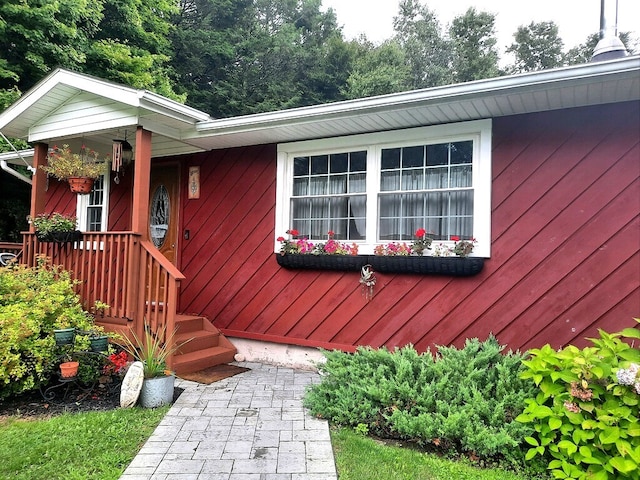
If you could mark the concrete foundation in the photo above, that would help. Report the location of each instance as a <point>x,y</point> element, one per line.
<point>291,356</point>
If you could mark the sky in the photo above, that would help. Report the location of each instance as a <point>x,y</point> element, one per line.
<point>576,19</point>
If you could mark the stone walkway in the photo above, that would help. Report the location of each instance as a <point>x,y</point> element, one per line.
<point>248,427</point>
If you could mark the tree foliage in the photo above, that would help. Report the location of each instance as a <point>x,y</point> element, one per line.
<point>537,46</point>
<point>473,37</point>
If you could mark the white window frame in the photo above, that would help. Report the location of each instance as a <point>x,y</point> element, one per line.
<point>82,207</point>
<point>478,130</point>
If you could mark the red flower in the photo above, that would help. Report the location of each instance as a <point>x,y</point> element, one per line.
<point>420,232</point>
<point>293,232</point>
<point>455,238</point>
<point>331,233</point>
<point>280,239</point>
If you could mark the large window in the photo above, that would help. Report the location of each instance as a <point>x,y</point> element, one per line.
<point>382,187</point>
<point>92,208</point>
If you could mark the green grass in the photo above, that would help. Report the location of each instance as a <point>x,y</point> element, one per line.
<point>80,446</point>
<point>363,458</point>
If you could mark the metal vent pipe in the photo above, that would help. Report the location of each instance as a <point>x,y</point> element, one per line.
<point>609,46</point>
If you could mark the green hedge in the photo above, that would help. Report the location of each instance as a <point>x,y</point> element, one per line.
<point>34,302</point>
<point>460,401</point>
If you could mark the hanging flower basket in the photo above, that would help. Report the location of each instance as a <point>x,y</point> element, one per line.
<point>322,262</point>
<point>81,185</point>
<point>452,266</point>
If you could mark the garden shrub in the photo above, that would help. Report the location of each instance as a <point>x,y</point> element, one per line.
<point>460,400</point>
<point>586,412</point>
<point>33,302</point>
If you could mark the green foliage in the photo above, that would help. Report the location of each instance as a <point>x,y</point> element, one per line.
<point>585,422</point>
<point>153,349</point>
<point>537,46</point>
<point>34,302</point>
<point>461,400</point>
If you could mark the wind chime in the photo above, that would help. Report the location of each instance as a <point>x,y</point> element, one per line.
<point>121,156</point>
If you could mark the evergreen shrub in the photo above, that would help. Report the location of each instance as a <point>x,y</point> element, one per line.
<point>34,302</point>
<point>586,415</point>
<point>460,401</point>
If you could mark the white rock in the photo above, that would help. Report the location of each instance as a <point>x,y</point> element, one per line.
<point>131,385</point>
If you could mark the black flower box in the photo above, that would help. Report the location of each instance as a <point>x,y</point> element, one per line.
<point>60,237</point>
<point>322,262</point>
<point>452,266</point>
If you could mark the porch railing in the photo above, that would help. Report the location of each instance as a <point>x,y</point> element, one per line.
<point>120,269</point>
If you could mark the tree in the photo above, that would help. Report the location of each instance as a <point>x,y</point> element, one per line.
<point>473,37</point>
<point>537,47</point>
<point>38,35</point>
<point>427,52</point>
<point>378,70</point>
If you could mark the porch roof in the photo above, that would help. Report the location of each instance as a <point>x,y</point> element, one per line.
<point>67,105</point>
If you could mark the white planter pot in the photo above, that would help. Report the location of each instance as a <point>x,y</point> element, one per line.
<point>157,391</point>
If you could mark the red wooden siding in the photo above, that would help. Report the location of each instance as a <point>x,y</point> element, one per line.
<point>565,248</point>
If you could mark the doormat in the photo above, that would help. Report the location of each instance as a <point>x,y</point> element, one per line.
<point>213,374</point>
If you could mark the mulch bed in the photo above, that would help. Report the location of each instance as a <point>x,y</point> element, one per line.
<point>32,404</point>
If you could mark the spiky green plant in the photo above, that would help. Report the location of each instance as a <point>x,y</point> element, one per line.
<point>152,350</point>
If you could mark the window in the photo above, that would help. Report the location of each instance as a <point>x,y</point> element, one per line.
<point>92,209</point>
<point>382,187</point>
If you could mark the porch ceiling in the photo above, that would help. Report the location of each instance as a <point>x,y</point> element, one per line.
<point>69,107</point>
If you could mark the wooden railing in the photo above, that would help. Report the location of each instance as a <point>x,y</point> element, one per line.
<point>9,247</point>
<point>120,269</point>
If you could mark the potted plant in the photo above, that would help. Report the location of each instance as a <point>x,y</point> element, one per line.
<point>153,350</point>
<point>55,227</point>
<point>98,339</point>
<point>69,367</point>
<point>80,170</point>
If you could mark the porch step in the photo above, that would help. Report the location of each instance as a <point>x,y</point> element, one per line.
<point>205,347</point>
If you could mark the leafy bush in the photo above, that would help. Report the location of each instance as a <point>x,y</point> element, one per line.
<point>34,302</point>
<point>460,400</point>
<point>586,414</point>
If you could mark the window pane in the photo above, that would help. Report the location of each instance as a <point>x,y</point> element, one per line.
<point>318,186</point>
<point>357,182</point>
<point>358,161</point>
<point>461,176</point>
<point>390,158</point>
<point>412,205</point>
<point>390,181</point>
<point>337,184</point>
<point>438,154</point>
<point>462,152</point>
<point>319,164</point>
<point>437,177</point>
<point>412,157</point>
<point>413,179</point>
<point>339,163</point>
<point>300,166</point>
<point>300,186</point>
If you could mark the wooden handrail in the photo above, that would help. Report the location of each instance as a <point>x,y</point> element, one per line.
<point>120,269</point>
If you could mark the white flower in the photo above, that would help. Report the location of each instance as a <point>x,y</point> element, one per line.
<point>627,376</point>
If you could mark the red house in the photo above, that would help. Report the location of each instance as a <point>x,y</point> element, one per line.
<point>542,169</point>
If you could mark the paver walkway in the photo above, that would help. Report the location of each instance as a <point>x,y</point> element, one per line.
<point>248,427</point>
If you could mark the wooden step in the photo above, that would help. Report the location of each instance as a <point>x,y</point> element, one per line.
<point>206,346</point>
<point>198,340</point>
<point>201,359</point>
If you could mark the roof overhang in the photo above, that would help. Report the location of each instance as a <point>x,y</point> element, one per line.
<point>68,105</point>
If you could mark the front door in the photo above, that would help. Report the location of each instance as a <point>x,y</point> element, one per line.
<point>163,205</point>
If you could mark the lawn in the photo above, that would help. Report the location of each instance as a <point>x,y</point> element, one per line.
<point>362,458</point>
<point>78,446</point>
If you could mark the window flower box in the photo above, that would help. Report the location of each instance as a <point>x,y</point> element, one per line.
<point>427,265</point>
<point>322,262</point>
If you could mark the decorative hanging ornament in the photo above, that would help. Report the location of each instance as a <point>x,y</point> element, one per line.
<point>368,281</point>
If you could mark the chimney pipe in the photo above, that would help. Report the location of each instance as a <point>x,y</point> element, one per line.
<point>609,46</point>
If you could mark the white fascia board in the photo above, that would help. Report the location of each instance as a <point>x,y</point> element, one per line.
<point>592,72</point>
<point>17,157</point>
<point>170,108</point>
